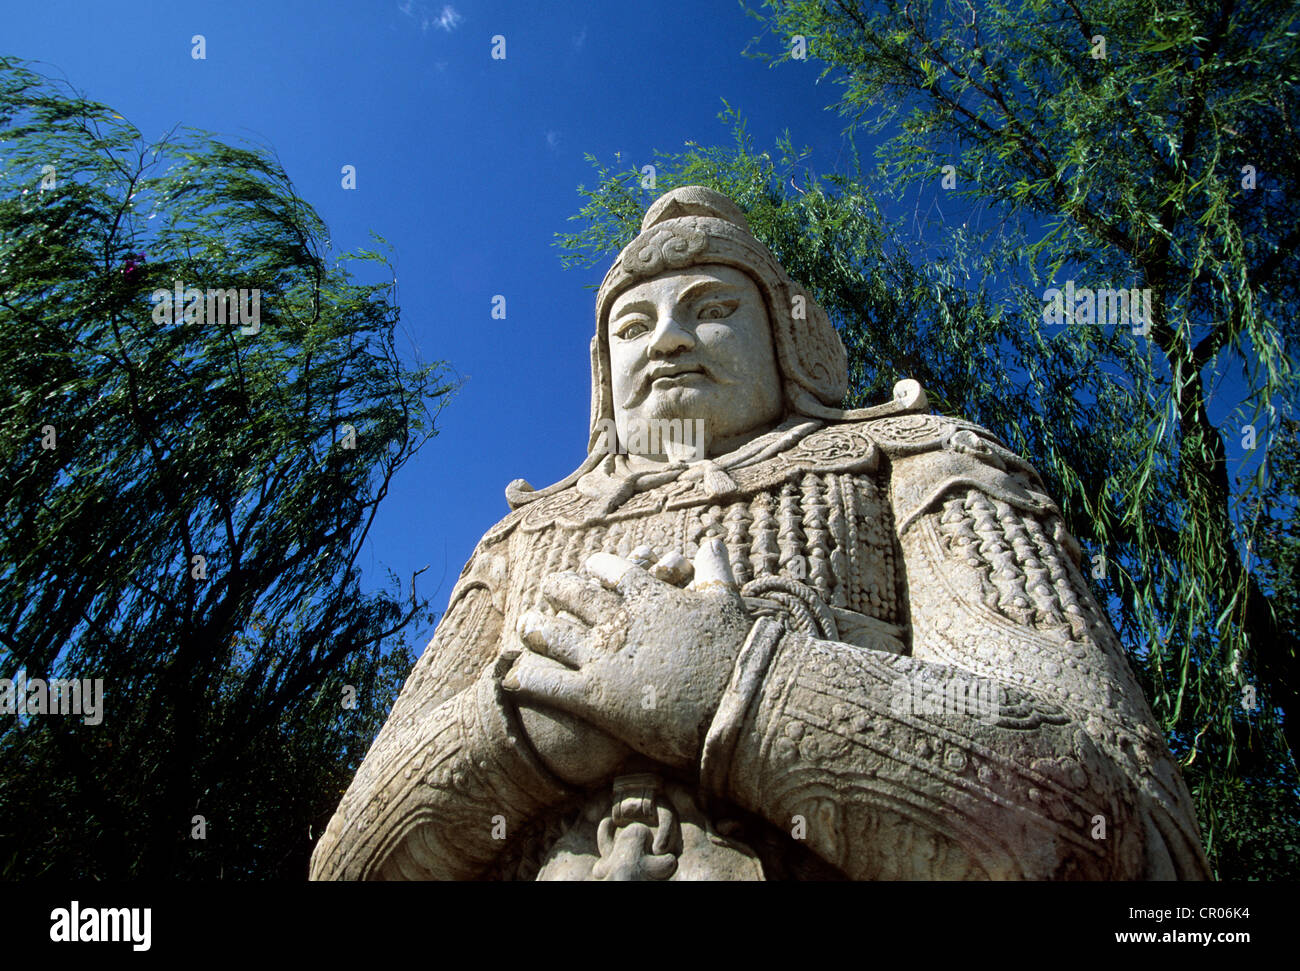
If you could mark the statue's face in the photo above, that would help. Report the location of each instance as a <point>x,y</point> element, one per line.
<point>695,343</point>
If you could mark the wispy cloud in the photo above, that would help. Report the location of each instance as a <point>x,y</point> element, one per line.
<point>552,139</point>
<point>580,38</point>
<point>449,19</point>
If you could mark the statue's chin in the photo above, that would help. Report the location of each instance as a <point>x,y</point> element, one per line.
<point>679,402</point>
<point>724,425</point>
<point>712,404</point>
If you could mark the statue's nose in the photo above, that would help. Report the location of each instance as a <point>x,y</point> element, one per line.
<point>670,337</point>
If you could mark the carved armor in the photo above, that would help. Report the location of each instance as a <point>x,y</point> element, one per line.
<point>894,567</point>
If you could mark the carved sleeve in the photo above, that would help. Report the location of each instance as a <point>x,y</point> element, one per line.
<point>448,782</point>
<point>1013,743</point>
<point>894,769</point>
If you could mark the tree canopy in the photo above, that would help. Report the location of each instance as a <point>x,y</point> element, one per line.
<point>187,486</point>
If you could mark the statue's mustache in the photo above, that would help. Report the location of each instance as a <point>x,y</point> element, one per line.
<point>642,386</point>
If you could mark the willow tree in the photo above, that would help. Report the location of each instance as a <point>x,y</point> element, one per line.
<point>1110,145</point>
<point>187,485</point>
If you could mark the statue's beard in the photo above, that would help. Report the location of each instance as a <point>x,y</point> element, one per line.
<point>708,406</point>
<point>674,403</point>
<point>685,403</point>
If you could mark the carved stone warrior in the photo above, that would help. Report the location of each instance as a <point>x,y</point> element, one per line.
<point>827,644</point>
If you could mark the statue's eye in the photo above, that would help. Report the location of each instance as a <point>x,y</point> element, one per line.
<point>718,309</point>
<point>632,328</point>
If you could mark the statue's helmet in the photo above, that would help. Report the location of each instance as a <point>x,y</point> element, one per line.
<point>695,225</point>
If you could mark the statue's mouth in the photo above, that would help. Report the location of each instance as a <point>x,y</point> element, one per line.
<point>673,376</point>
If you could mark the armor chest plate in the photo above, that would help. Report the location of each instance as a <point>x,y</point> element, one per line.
<point>830,531</point>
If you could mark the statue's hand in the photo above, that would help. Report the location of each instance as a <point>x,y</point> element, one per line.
<point>635,656</point>
<point>574,751</point>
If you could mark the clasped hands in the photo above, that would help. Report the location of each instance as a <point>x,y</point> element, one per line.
<point>626,659</point>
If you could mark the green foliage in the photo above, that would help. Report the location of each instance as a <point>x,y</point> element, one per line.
<point>178,436</point>
<point>1122,171</point>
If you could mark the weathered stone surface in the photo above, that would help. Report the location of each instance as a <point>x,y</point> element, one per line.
<point>785,641</point>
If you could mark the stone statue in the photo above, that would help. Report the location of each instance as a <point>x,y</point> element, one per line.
<point>777,641</point>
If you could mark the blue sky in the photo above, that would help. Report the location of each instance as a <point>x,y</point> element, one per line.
<point>467,165</point>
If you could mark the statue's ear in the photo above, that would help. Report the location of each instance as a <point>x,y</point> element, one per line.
<point>599,390</point>
<point>810,350</point>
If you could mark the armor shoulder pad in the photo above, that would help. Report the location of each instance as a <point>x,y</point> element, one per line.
<point>839,447</point>
<point>933,455</point>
